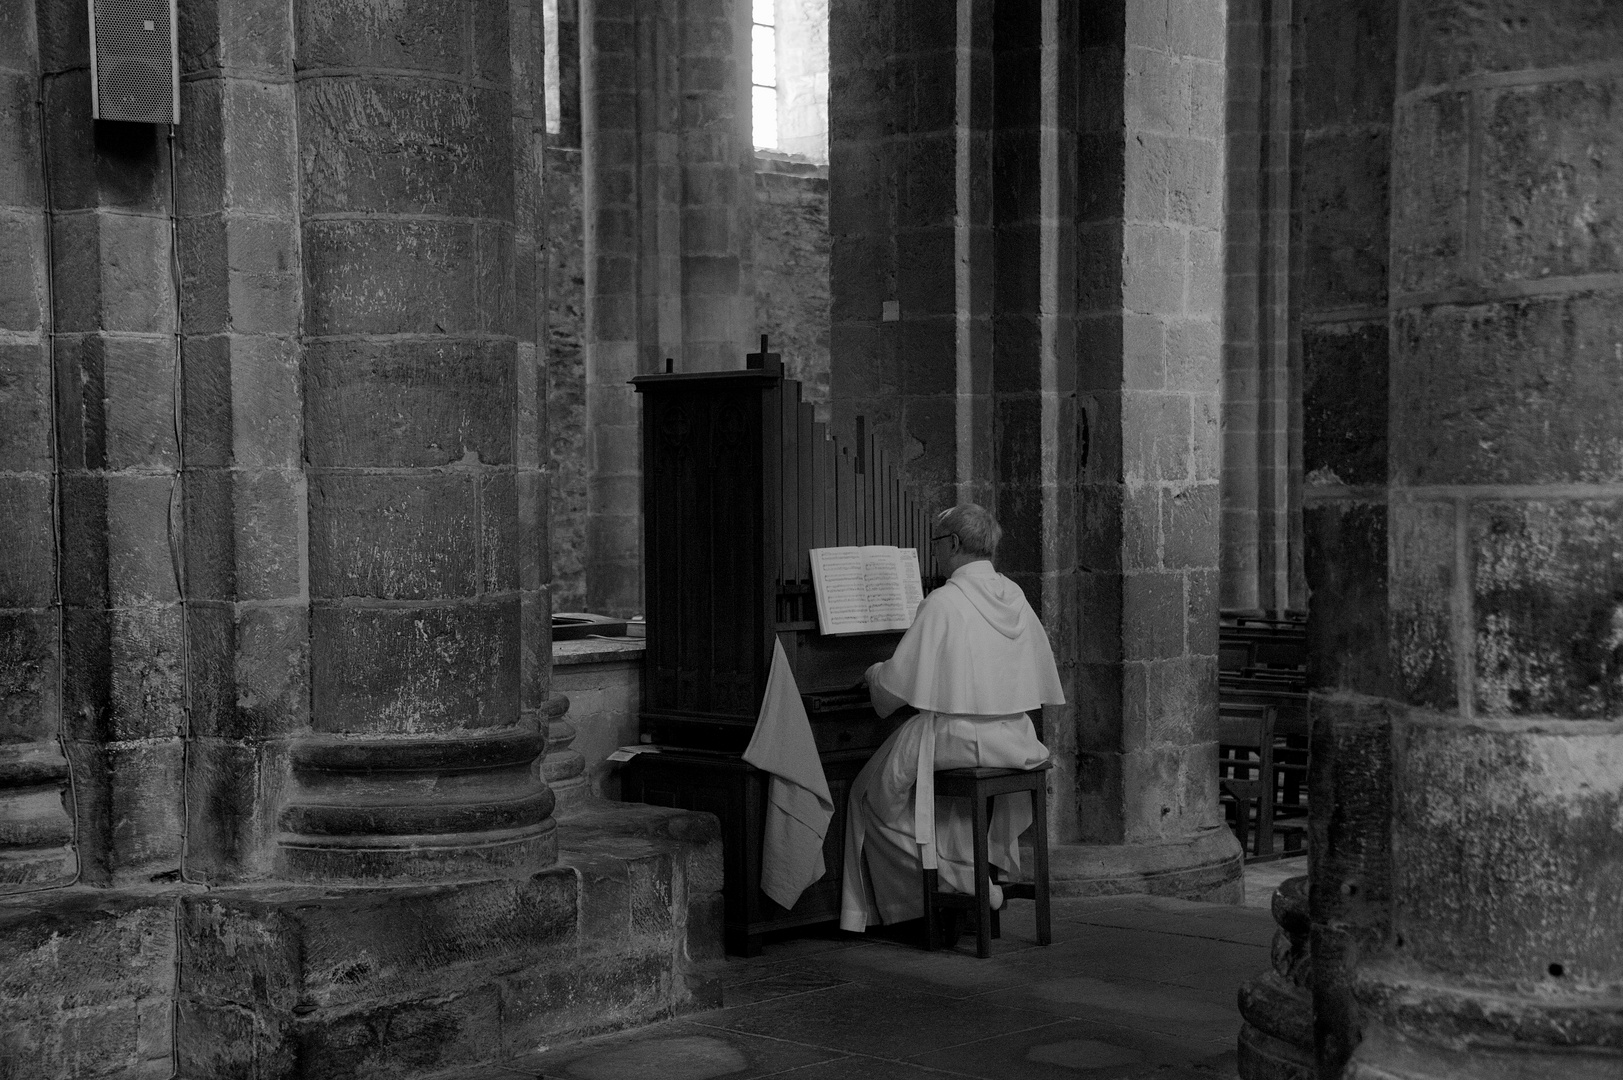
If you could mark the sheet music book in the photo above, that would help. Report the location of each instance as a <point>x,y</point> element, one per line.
<point>861,590</point>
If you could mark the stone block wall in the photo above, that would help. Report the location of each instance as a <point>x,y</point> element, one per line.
<point>312,983</point>
<point>87,984</point>
<point>566,375</point>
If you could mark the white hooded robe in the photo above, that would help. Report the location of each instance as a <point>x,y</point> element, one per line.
<point>974,663</point>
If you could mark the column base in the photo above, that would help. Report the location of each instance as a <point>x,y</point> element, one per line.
<point>36,829</point>
<point>1276,1038</point>
<point>1428,1027</point>
<point>308,983</point>
<point>295,982</point>
<point>1208,866</point>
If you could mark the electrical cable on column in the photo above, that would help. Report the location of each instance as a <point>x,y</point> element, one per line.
<point>177,532</point>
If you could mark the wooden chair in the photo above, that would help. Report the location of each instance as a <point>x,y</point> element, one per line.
<point>1244,731</point>
<point>980,786</point>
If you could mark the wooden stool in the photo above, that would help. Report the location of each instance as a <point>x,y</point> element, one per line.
<point>980,786</point>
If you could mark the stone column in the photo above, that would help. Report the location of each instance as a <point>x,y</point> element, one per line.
<point>910,222</point>
<point>422,445</point>
<point>1149,287</point>
<point>242,431</point>
<point>1054,352</point>
<point>566,324</point>
<point>36,827</point>
<point>668,179</point>
<point>1345,71</point>
<point>122,519</point>
<point>1034,345</point>
<point>1262,467</point>
<point>1504,955</point>
<point>716,156</point>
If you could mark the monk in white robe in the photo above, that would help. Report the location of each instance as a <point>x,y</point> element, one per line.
<point>974,663</point>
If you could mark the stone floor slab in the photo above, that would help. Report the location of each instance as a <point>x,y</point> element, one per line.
<point>1132,987</point>
<point>800,979</point>
<point>675,1050</point>
<point>941,972</point>
<point>1076,1048</point>
<point>893,1022</point>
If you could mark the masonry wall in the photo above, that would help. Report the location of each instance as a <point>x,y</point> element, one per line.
<point>566,375</point>
<point>792,270</point>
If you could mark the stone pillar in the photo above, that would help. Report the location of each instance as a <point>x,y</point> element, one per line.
<point>1504,955</point>
<point>717,176</point>
<point>668,175</point>
<point>910,222</point>
<point>242,431</point>
<point>1262,467</point>
<point>122,519</point>
<point>423,425</point>
<point>1345,71</point>
<point>36,826</point>
<point>1033,142</point>
<point>565,367</point>
<point>1150,276</point>
<point>1054,351</point>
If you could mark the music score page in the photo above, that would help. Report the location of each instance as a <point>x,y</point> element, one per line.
<point>861,590</point>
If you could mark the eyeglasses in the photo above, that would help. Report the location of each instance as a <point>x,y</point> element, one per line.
<point>943,536</point>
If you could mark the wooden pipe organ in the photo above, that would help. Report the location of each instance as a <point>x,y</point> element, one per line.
<point>740,482</point>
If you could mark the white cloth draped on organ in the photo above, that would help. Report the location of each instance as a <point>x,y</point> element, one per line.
<point>799,806</point>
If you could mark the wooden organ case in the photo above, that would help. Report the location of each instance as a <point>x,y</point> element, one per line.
<point>739,483</point>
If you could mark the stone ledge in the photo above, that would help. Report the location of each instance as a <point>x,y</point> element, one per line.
<point>308,983</point>
<point>597,651</point>
<point>1208,866</point>
<point>86,982</point>
<point>298,982</point>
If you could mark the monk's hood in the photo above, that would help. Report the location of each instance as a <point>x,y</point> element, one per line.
<point>999,600</point>
<point>948,663</point>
